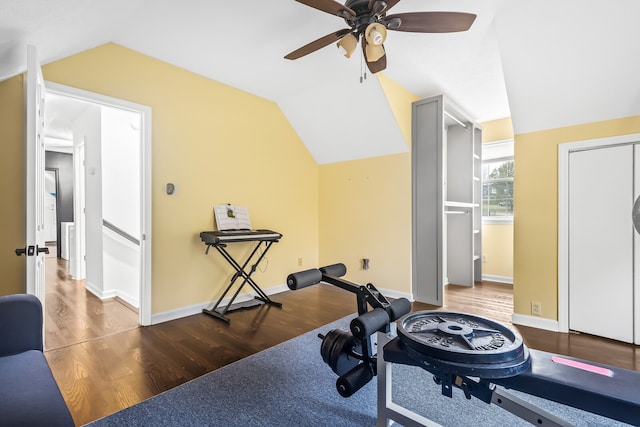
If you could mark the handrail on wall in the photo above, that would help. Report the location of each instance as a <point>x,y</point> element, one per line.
<point>120,232</point>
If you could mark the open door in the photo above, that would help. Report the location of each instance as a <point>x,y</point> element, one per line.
<point>35,227</point>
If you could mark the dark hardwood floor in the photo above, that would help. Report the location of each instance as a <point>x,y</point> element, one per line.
<point>99,376</point>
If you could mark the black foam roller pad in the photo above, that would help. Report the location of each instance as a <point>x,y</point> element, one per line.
<point>354,380</point>
<point>337,270</point>
<point>398,308</point>
<point>302,279</point>
<point>369,323</point>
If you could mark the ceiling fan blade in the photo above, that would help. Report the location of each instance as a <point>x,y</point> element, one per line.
<point>318,44</point>
<point>390,4</point>
<point>432,22</point>
<point>329,6</point>
<point>374,66</point>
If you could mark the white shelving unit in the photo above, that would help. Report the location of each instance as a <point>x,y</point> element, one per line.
<point>446,193</point>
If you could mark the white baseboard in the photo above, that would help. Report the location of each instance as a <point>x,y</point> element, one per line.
<point>98,291</point>
<point>389,293</point>
<point>197,308</point>
<point>500,279</point>
<point>132,301</point>
<point>112,293</point>
<point>535,322</point>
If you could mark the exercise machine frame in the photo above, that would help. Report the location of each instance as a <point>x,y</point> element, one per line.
<point>597,388</point>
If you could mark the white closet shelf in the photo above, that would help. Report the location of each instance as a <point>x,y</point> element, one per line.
<point>452,204</point>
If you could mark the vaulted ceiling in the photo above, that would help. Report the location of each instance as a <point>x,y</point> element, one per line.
<point>546,64</point>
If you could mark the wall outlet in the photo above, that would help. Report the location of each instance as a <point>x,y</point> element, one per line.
<point>299,262</point>
<point>536,308</point>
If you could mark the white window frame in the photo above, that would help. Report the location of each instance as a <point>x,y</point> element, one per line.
<point>497,151</point>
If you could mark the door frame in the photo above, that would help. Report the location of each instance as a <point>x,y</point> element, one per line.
<point>564,150</point>
<point>145,180</point>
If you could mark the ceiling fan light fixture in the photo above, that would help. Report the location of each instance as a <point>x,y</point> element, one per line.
<point>347,45</point>
<point>376,34</point>
<point>368,24</point>
<point>373,52</point>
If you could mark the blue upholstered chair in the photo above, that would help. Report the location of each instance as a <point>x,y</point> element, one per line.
<point>29,395</point>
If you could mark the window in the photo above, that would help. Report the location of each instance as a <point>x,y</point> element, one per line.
<point>497,182</point>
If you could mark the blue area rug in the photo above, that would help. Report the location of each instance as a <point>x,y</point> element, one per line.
<point>289,385</point>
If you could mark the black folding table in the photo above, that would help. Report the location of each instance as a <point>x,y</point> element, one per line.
<point>263,239</point>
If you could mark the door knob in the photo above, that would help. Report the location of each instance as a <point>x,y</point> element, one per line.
<point>31,250</point>
<point>635,214</point>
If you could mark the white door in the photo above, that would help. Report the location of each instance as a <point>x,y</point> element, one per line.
<point>636,245</point>
<point>35,227</point>
<point>601,279</point>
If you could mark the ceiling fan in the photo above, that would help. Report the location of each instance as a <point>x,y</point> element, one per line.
<point>368,21</point>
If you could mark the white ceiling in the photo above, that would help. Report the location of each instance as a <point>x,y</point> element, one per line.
<point>547,64</point>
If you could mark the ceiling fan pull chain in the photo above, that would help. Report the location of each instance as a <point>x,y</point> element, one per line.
<point>363,70</point>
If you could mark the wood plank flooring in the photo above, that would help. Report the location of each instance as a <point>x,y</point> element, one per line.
<point>74,315</point>
<point>99,376</point>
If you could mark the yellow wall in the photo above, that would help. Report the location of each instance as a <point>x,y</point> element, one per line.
<point>536,209</point>
<point>202,133</point>
<point>365,213</point>
<point>218,145</point>
<point>497,130</point>
<point>400,101</point>
<point>12,208</point>
<point>365,209</point>
<point>497,239</point>
<point>497,248</point>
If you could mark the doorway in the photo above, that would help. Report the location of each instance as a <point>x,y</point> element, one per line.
<point>116,244</point>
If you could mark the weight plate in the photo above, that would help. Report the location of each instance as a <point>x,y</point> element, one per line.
<point>459,337</point>
<point>336,351</point>
<point>485,371</point>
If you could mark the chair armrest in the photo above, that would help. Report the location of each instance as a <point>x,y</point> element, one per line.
<point>20,324</point>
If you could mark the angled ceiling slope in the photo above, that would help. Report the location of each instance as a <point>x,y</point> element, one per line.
<point>346,120</point>
<point>570,62</point>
